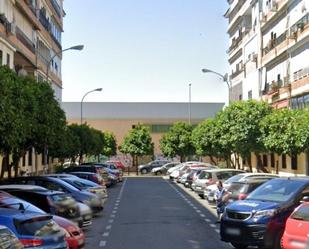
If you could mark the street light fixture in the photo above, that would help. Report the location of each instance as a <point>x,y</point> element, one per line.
<point>77,47</point>
<point>81,103</point>
<point>223,77</point>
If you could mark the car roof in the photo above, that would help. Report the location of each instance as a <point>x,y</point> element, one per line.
<point>84,173</point>
<point>12,213</point>
<point>258,174</point>
<point>60,175</point>
<point>23,187</point>
<point>222,170</point>
<point>253,180</point>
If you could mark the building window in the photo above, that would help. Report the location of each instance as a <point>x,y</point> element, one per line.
<point>294,161</point>
<point>1,56</point>
<point>250,94</point>
<point>272,160</point>
<point>8,59</point>
<point>30,157</point>
<point>265,164</point>
<point>24,160</point>
<point>300,102</point>
<point>283,161</point>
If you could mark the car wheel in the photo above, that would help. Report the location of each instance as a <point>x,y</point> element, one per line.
<point>144,171</point>
<point>239,246</point>
<point>201,195</point>
<point>158,172</point>
<point>277,242</point>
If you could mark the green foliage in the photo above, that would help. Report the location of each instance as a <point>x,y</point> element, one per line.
<point>178,141</point>
<point>286,131</point>
<point>110,146</point>
<point>239,126</point>
<point>138,142</point>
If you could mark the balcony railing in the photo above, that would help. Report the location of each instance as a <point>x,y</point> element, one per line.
<point>274,43</point>
<point>25,40</point>
<point>302,73</point>
<point>44,21</point>
<point>236,73</point>
<point>56,7</point>
<point>235,43</point>
<point>300,24</point>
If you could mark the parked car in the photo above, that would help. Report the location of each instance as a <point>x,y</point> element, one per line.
<point>83,184</point>
<point>259,220</point>
<point>94,177</point>
<point>297,228</point>
<point>74,236</point>
<point>51,202</point>
<point>8,240</point>
<point>177,174</point>
<point>211,189</point>
<point>209,177</point>
<point>84,210</point>
<point>32,229</point>
<point>118,164</point>
<point>186,179</point>
<point>56,184</point>
<point>162,170</point>
<point>146,168</point>
<point>90,168</point>
<point>110,168</point>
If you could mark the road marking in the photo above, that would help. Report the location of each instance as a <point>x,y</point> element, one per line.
<point>114,211</point>
<point>110,221</point>
<point>106,234</point>
<point>207,220</point>
<point>102,243</point>
<point>203,215</point>
<point>198,211</point>
<point>217,230</point>
<point>113,216</point>
<point>213,225</point>
<point>108,227</point>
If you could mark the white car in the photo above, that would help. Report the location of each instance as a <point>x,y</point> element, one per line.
<point>163,169</point>
<point>210,190</point>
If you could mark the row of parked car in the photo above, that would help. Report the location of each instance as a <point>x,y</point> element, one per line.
<point>51,211</point>
<point>262,210</point>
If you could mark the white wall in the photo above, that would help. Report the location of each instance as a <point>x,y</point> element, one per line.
<point>279,28</point>
<point>299,59</point>
<point>57,92</point>
<point>280,68</point>
<point>24,25</point>
<point>297,10</point>
<point>6,49</point>
<point>6,7</point>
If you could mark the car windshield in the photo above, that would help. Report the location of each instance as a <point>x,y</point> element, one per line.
<point>302,213</point>
<point>234,178</point>
<point>277,190</point>
<point>204,175</point>
<point>19,205</point>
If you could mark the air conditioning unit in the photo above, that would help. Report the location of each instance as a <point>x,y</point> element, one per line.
<point>11,28</point>
<point>274,5</point>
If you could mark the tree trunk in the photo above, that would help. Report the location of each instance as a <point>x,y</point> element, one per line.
<point>4,165</point>
<point>136,164</point>
<point>250,163</point>
<point>213,160</point>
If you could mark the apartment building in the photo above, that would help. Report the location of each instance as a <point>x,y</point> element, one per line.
<point>269,60</point>
<point>30,37</point>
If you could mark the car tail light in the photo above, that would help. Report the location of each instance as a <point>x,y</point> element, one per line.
<point>242,196</point>
<point>190,177</point>
<point>31,242</point>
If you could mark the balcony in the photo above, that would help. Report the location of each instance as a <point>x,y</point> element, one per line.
<point>235,44</point>
<point>44,21</point>
<point>274,43</point>
<point>56,7</point>
<point>236,73</point>
<point>25,40</point>
<point>300,74</point>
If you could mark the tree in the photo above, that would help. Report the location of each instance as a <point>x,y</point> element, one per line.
<point>206,140</point>
<point>178,141</point>
<point>110,145</point>
<point>286,131</point>
<point>137,143</point>
<point>240,127</point>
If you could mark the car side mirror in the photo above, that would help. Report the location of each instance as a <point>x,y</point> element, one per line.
<point>305,199</point>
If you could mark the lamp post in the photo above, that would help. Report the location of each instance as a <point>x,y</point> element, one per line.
<point>223,77</point>
<point>189,104</point>
<point>81,103</point>
<point>77,47</point>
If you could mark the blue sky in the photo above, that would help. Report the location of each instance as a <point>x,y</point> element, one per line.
<point>142,50</point>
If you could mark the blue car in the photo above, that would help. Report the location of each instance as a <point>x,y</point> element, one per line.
<point>259,220</point>
<point>35,231</point>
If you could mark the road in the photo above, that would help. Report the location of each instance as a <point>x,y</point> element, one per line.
<point>153,213</point>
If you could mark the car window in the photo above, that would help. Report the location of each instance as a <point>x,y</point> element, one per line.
<point>302,213</point>
<point>277,190</point>
<point>54,186</point>
<point>204,175</point>
<point>37,226</point>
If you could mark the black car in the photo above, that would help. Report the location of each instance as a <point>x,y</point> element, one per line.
<point>144,169</point>
<point>52,202</point>
<point>94,177</point>
<point>56,184</point>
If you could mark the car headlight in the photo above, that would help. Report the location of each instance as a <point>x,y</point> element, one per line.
<point>264,213</point>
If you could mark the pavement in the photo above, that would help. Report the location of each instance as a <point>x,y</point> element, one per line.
<point>154,213</point>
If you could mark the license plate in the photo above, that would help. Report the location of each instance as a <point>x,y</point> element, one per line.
<point>297,244</point>
<point>211,198</point>
<point>232,231</point>
<point>198,188</point>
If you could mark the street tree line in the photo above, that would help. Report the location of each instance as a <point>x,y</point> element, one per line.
<point>30,117</point>
<point>243,128</point>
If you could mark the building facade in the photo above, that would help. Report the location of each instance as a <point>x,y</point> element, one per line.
<point>119,118</point>
<point>269,61</point>
<point>30,35</point>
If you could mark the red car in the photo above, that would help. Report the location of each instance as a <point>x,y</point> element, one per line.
<point>297,228</point>
<point>118,164</point>
<point>73,234</point>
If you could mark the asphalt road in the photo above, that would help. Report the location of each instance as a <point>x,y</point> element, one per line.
<point>153,213</point>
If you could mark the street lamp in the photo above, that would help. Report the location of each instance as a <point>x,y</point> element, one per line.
<point>189,104</point>
<point>77,47</point>
<point>223,77</point>
<point>81,103</point>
